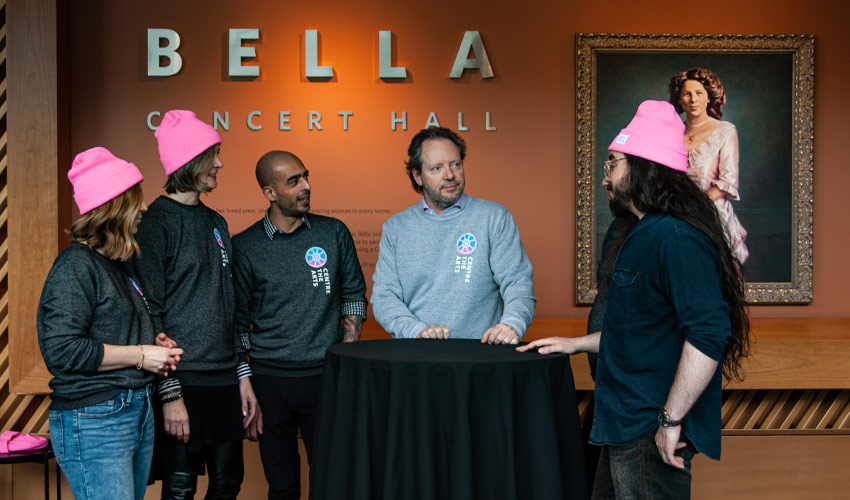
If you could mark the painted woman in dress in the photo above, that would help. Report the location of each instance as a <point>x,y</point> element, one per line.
<point>98,339</point>
<point>712,146</point>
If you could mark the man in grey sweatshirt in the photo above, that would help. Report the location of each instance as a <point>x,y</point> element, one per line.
<point>451,265</point>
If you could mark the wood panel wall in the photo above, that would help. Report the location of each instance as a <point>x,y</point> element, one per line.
<point>34,141</point>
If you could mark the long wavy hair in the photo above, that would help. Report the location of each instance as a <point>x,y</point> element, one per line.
<point>709,80</point>
<point>108,228</point>
<point>654,188</point>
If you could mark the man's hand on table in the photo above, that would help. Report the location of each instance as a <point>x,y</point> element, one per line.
<point>434,332</point>
<point>566,345</point>
<point>500,334</point>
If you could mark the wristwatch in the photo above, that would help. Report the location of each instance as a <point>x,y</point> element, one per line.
<point>664,419</point>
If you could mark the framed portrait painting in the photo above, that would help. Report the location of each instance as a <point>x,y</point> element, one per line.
<point>769,86</point>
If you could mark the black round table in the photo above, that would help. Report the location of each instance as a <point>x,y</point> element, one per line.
<point>446,419</point>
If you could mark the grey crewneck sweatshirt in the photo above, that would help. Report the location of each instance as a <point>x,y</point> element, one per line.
<point>466,271</point>
<point>185,266</point>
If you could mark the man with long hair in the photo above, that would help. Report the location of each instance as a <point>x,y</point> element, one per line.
<point>676,321</point>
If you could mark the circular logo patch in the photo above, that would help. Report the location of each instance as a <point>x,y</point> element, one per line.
<point>316,257</point>
<point>466,244</point>
<point>218,237</point>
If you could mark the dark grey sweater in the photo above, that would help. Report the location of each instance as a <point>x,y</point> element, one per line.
<point>293,290</point>
<point>88,301</point>
<point>186,267</point>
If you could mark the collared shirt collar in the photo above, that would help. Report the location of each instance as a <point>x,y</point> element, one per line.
<point>456,207</point>
<point>271,229</point>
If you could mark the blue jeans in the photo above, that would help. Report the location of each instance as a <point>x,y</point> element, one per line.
<point>105,449</point>
<point>636,471</point>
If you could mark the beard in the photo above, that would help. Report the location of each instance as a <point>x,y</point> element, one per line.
<point>291,207</point>
<point>444,202</point>
<point>619,203</point>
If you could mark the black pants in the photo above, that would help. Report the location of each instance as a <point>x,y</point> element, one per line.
<point>215,419</point>
<point>224,468</point>
<point>591,452</point>
<point>288,404</point>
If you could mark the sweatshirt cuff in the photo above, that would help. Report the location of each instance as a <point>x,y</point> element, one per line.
<point>518,326</point>
<point>98,360</point>
<point>410,332</point>
<point>354,309</point>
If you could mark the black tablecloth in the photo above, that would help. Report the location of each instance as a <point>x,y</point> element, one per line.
<point>446,419</point>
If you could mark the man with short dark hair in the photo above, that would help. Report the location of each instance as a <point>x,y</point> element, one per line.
<point>299,289</point>
<point>675,323</point>
<point>451,265</point>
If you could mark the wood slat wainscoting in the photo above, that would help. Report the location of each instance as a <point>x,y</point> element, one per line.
<point>22,412</point>
<point>797,377</point>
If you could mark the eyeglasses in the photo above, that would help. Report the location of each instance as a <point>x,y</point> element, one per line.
<point>608,166</point>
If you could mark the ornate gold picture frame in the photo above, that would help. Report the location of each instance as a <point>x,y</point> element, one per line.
<point>769,83</point>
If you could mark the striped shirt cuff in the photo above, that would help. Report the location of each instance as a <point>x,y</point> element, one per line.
<point>243,370</point>
<point>354,309</point>
<point>168,386</point>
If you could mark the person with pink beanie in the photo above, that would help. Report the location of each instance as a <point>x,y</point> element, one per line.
<point>675,323</point>
<point>186,263</point>
<point>98,339</point>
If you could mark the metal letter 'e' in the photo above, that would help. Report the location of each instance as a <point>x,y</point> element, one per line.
<point>237,52</point>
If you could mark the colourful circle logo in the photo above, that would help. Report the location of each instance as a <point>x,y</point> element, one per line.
<point>218,237</point>
<point>466,244</point>
<point>316,257</point>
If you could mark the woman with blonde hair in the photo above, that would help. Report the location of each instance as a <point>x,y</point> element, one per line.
<point>98,340</point>
<point>712,146</point>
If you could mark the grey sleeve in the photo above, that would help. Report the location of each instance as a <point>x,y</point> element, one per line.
<point>513,274</point>
<point>387,304</point>
<point>353,284</point>
<point>65,313</point>
<point>152,266</point>
<point>242,280</point>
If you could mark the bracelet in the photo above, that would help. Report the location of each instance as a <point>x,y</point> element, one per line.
<point>171,396</point>
<point>142,358</point>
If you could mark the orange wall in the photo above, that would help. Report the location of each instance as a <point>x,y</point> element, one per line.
<point>528,164</point>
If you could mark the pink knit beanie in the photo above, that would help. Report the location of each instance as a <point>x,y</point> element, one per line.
<point>656,133</point>
<point>181,137</point>
<point>98,176</point>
